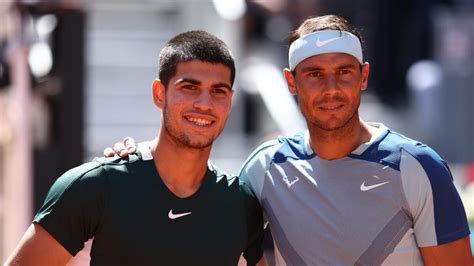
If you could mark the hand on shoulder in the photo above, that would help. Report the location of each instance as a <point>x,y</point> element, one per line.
<point>123,149</point>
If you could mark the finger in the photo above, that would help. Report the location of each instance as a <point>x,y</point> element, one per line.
<point>130,144</point>
<point>120,149</point>
<point>109,152</point>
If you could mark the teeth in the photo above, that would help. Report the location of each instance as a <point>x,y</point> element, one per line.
<point>200,122</point>
<point>330,108</point>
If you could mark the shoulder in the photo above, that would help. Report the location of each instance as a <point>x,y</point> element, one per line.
<point>253,170</point>
<point>230,181</point>
<point>392,147</point>
<point>264,152</point>
<point>277,150</point>
<point>117,162</point>
<point>69,190</point>
<point>430,193</point>
<point>222,176</point>
<point>85,173</point>
<point>88,177</point>
<point>426,158</point>
<point>419,165</point>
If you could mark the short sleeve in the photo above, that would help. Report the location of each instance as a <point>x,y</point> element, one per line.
<point>254,250</point>
<point>434,204</point>
<point>73,207</point>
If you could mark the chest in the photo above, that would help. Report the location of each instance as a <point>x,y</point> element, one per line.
<point>147,224</point>
<point>334,209</point>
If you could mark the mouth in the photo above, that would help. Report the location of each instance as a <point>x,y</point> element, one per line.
<point>331,107</point>
<point>200,121</point>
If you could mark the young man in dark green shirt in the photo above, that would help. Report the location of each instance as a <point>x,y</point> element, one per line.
<point>165,205</point>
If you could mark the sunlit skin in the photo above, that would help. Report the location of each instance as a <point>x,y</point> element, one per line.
<point>195,104</point>
<point>328,88</point>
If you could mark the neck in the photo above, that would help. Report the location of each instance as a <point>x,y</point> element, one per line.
<point>181,168</point>
<point>338,143</point>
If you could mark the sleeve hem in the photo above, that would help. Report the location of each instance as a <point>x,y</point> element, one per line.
<point>449,238</point>
<point>72,250</point>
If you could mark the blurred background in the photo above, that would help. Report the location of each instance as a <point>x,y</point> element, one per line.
<point>75,77</point>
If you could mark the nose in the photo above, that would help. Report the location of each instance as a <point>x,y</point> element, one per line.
<point>330,84</point>
<point>203,101</point>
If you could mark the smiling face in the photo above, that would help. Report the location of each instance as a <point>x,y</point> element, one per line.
<point>195,104</point>
<point>328,88</point>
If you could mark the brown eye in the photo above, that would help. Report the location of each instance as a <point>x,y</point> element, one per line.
<point>189,87</point>
<point>344,71</point>
<point>220,91</point>
<point>315,74</point>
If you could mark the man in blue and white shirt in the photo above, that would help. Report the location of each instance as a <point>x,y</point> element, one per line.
<point>348,192</point>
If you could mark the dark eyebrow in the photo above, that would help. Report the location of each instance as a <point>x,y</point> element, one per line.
<point>197,82</point>
<point>307,69</point>
<point>187,80</point>
<point>348,66</point>
<point>222,85</point>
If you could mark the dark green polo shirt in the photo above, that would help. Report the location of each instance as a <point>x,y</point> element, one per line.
<point>136,220</point>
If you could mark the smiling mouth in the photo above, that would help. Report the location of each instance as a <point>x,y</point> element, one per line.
<point>331,107</point>
<point>199,121</point>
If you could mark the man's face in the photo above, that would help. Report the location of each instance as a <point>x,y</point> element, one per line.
<point>196,103</point>
<point>328,88</point>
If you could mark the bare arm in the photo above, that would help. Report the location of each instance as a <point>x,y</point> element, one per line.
<point>457,252</point>
<point>38,247</point>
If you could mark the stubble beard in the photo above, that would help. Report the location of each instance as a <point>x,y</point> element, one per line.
<point>180,137</point>
<point>332,126</point>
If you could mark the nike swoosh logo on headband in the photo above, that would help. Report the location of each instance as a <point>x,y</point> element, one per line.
<point>320,43</point>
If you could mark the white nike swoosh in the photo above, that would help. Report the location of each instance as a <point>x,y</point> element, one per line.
<point>172,216</point>
<point>363,187</point>
<point>322,43</point>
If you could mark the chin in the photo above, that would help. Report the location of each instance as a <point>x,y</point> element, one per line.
<point>200,145</point>
<point>335,122</point>
<point>330,125</point>
<point>197,143</point>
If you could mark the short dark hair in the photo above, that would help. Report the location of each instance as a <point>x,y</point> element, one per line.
<point>193,45</point>
<point>327,22</point>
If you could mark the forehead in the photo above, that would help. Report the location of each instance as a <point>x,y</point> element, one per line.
<point>327,61</point>
<point>203,72</point>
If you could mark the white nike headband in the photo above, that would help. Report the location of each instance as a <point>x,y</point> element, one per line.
<point>323,42</point>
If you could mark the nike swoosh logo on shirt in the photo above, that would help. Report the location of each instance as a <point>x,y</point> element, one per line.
<point>320,43</point>
<point>173,216</point>
<point>363,187</point>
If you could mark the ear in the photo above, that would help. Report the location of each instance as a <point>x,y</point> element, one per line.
<point>159,93</point>
<point>365,76</point>
<point>290,81</point>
